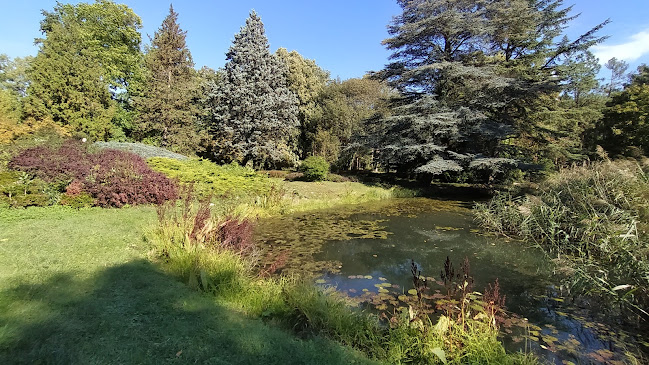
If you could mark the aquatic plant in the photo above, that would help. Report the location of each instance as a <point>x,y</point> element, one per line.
<point>594,219</point>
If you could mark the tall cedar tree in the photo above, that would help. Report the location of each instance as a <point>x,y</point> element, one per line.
<point>167,111</point>
<point>254,114</point>
<point>89,54</point>
<point>468,71</point>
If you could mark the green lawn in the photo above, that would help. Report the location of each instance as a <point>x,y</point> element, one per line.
<point>77,287</point>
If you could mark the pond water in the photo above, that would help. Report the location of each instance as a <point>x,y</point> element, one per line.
<point>366,252</point>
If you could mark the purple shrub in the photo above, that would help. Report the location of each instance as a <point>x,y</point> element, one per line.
<point>121,178</point>
<point>236,234</point>
<point>68,161</point>
<point>113,178</point>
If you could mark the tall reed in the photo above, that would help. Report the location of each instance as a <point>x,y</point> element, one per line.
<point>595,219</point>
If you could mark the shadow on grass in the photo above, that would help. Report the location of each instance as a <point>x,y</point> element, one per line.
<point>134,313</point>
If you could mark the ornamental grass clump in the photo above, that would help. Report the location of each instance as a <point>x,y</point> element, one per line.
<point>595,218</point>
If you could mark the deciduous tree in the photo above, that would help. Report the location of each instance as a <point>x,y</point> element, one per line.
<point>89,55</point>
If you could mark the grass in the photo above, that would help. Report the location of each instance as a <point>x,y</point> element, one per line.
<point>78,287</point>
<point>302,196</point>
<point>243,192</point>
<point>595,219</point>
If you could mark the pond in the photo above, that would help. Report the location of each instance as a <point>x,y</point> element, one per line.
<point>366,251</point>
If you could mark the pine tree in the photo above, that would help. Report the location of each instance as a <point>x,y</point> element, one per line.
<point>254,114</point>
<point>618,69</point>
<point>449,84</point>
<point>167,111</point>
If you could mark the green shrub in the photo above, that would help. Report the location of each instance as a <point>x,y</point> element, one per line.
<point>211,179</point>
<point>81,200</point>
<point>21,190</point>
<point>315,168</point>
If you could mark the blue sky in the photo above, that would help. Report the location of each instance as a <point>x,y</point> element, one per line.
<point>343,37</point>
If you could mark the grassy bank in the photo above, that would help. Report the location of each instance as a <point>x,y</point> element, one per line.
<point>594,220</point>
<point>77,287</point>
<point>213,253</point>
<point>243,192</point>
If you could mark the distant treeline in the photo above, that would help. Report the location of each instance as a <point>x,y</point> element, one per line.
<point>473,91</point>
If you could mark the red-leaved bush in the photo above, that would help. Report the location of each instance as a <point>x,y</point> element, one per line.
<point>113,178</point>
<point>66,162</point>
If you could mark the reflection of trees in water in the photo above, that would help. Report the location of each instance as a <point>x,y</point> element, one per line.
<point>438,236</point>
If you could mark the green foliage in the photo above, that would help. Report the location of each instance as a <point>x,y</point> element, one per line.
<point>253,113</point>
<point>20,190</point>
<point>89,52</point>
<point>13,86</point>
<point>315,168</point>
<point>626,119</point>
<point>14,74</point>
<point>307,81</point>
<point>167,110</point>
<point>211,179</point>
<point>594,217</point>
<point>468,73</point>
<point>344,108</point>
<point>78,201</point>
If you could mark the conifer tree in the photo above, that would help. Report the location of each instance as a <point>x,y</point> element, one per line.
<point>254,114</point>
<point>469,72</point>
<point>167,111</point>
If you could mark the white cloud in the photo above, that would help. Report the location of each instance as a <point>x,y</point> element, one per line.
<point>636,47</point>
